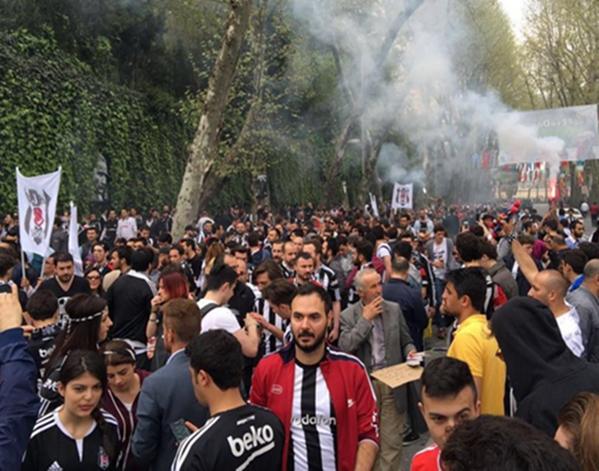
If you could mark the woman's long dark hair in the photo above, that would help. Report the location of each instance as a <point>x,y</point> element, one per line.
<point>79,335</point>
<point>77,363</point>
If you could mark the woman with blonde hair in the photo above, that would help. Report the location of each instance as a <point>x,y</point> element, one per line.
<point>578,429</point>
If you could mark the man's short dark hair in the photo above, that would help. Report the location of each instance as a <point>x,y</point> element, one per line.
<point>218,353</point>
<point>190,243</point>
<point>280,291</point>
<point>576,258</point>
<point>446,377</point>
<point>575,223</point>
<point>551,224</point>
<point>178,248</point>
<point>42,305</point>
<point>140,260</point>
<point>468,246</point>
<point>364,248</point>
<point>493,443</point>
<point>526,225</point>
<point>309,289</point>
<point>400,264</point>
<point>377,233</point>
<point>271,268</point>
<point>406,235</point>
<point>104,245</point>
<point>219,275</point>
<point>302,256</point>
<point>124,253</point>
<point>590,249</point>
<point>526,239</point>
<point>470,282</point>
<point>253,239</point>
<point>165,238</point>
<point>403,249</point>
<point>438,228</point>
<point>315,241</point>
<point>6,263</point>
<point>488,249</point>
<point>63,257</point>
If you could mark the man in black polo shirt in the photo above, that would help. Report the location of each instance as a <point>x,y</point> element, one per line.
<point>129,303</point>
<point>65,284</point>
<point>252,437</point>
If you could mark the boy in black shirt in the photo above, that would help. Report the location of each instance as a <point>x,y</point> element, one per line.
<point>42,315</point>
<point>237,435</point>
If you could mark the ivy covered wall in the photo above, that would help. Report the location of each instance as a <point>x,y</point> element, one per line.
<point>55,111</point>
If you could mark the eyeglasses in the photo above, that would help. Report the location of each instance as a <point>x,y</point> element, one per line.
<point>93,277</point>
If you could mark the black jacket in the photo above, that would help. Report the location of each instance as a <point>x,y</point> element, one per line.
<point>412,307</point>
<point>544,373</point>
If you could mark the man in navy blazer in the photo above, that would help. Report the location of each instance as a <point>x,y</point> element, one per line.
<point>167,399</point>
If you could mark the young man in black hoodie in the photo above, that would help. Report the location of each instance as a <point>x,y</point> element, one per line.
<point>543,372</point>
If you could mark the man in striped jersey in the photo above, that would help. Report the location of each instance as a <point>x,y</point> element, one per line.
<point>323,397</point>
<point>264,275</point>
<point>327,278</point>
<point>289,254</point>
<point>251,437</point>
<point>274,319</point>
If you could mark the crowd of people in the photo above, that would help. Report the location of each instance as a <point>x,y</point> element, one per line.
<point>249,342</point>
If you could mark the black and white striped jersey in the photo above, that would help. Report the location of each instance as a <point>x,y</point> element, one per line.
<point>313,422</point>
<point>327,278</point>
<point>287,271</point>
<point>271,342</point>
<point>246,438</point>
<point>52,448</point>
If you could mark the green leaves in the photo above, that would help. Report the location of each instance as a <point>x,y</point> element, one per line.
<point>55,111</point>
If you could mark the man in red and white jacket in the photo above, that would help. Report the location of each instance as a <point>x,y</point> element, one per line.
<point>323,397</point>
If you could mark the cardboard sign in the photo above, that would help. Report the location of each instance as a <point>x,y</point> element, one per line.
<point>398,375</point>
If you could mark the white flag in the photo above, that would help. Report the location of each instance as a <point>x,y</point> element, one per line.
<point>37,198</point>
<point>374,205</point>
<point>74,241</point>
<point>402,196</point>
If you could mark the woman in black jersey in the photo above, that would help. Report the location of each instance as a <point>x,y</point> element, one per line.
<point>78,435</point>
<point>87,326</point>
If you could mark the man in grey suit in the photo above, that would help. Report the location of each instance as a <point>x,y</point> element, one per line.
<point>376,332</point>
<point>167,399</point>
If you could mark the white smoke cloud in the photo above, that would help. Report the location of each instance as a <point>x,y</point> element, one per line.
<point>427,89</point>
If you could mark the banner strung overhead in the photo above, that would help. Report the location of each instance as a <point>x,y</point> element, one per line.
<point>37,197</point>
<point>402,196</point>
<point>551,135</point>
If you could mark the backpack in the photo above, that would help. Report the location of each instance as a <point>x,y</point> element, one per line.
<point>206,309</point>
<point>377,263</point>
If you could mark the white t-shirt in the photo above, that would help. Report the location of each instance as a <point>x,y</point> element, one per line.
<point>440,253</point>
<point>218,318</point>
<point>569,327</point>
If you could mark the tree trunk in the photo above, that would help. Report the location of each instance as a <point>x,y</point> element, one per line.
<point>358,105</point>
<point>204,149</point>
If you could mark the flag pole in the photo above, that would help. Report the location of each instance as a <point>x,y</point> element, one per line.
<point>23,264</point>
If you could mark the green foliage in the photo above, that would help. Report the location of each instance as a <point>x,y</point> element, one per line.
<point>55,111</point>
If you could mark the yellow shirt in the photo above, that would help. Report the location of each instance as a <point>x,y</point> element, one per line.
<point>474,345</point>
